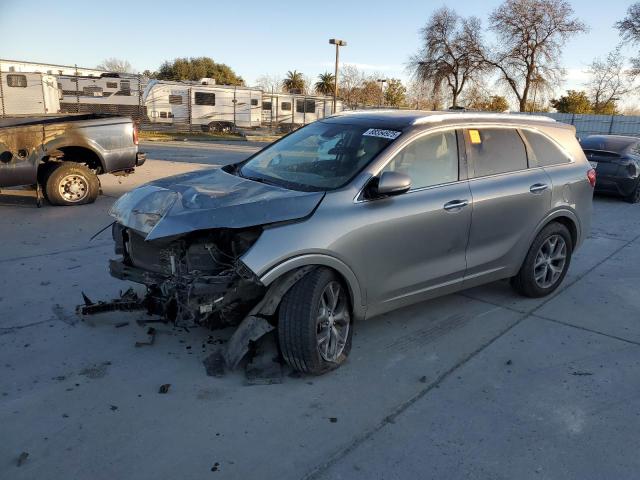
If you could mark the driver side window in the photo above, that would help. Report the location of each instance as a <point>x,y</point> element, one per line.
<point>429,160</point>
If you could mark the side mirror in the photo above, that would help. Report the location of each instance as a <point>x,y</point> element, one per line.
<point>392,183</point>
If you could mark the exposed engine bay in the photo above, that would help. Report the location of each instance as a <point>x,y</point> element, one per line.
<point>192,279</point>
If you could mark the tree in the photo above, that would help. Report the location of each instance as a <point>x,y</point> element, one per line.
<point>629,28</point>
<point>394,93</point>
<point>609,80</point>
<point>451,53</point>
<point>350,79</point>
<point>421,96</point>
<point>293,82</point>
<point>573,102</point>
<point>530,35</point>
<point>196,68</point>
<point>270,83</point>
<point>117,65</point>
<point>493,103</point>
<point>325,84</point>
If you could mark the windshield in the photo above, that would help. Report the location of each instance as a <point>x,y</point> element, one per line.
<point>320,156</point>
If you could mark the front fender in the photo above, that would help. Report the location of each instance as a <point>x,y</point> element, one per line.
<point>357,297</point>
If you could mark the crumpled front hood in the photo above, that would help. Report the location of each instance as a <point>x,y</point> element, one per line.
<point>205,200</point>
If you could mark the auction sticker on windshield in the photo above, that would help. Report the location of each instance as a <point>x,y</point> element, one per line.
<point>376,132</point>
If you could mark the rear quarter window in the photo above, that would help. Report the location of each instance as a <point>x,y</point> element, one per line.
<point>544,151</point>
<point>496,150</point>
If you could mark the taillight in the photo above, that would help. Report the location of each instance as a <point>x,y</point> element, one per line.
<point>591,176</point>
<point>135,134</point>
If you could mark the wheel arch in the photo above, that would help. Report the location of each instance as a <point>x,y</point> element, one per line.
<point>346,274</point>
<point>82,150</point>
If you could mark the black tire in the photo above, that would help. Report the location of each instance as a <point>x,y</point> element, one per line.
<point>634,197</point>
<point>299,322</point>
<point>525,282</point>
<point>84,185</point>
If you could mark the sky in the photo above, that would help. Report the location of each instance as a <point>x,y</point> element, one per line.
<point>257,38</point>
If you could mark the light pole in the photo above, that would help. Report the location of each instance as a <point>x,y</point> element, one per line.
<point>382,80</point>
<point>338,43</point>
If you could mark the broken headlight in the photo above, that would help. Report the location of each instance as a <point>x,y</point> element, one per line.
<point>142,208</point>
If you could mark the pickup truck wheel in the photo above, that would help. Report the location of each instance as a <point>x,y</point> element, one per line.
<point>71,183</point>
<point>314,324</point>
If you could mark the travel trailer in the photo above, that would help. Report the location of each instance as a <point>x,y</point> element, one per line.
<point>220,107</point>
<point>212,107</point>
<point>28,94</point>
<point>114,93</point>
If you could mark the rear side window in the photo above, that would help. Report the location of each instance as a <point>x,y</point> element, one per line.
<point>543,150</point>
<point>17,81</point>
<point>429,160</point>
<point>285,106</point>
<point>496,150</point>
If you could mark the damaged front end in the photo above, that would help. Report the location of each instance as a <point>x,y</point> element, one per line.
<point>192,279</point>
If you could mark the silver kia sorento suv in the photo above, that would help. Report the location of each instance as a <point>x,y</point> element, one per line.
<point>353,216</point>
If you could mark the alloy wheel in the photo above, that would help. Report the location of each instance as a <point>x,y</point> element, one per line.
<point>332,330</point>
<point>550,261</point>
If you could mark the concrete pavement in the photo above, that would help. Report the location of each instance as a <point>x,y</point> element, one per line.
<point>482,384</point>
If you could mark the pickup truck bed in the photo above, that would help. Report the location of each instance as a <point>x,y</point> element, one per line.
<point>65,153</point>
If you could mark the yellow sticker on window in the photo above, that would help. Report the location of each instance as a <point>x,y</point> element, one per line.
<point>474,135</point>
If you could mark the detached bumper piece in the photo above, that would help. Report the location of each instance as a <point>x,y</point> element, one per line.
<point>141,157</point>
<point>129,301</point>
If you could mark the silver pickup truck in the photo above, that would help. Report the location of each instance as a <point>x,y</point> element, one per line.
<point>63,155</point>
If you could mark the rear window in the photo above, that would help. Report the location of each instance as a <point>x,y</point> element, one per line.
<point>204,98</point>
<point>17,81</point>
<point>496,150</point>
<point>544,151</point>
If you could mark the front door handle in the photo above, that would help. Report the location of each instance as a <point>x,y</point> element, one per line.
<point>538,187</point>
<point>455,204</point>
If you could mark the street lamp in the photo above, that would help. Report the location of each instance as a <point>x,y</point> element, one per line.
<point>338,44</point>
<point>382,80</point>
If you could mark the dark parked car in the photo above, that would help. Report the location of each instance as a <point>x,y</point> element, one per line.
<point>617,162</point>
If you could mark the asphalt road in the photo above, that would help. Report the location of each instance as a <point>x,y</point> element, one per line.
<point>482,384</point>
<point>210,153</point>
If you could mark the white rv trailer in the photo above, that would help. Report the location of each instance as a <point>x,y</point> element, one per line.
<point>284,108</point>
<point>110,93</point>
<point>199,103</point>
<point>28,94</point>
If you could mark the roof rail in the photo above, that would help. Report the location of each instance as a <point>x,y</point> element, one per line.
<point>476,115</point>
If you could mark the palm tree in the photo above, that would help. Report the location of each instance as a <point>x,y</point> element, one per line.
<point>325,84</point>
<point>294,82</point>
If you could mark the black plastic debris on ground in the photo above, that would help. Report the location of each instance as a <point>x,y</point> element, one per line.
<point>22,458</point>
<point>214,364</point>
<point>264,368</point>
<point>164,388</point>
<point>151,333</point>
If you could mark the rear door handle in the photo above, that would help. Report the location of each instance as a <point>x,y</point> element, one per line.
<point>538,187</point>
<point>455,204</point>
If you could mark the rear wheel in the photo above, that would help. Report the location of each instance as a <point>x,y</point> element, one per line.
<point>70,183</point>
<point>546,263</point>
<point>314,325</point>
<point>634,197</point>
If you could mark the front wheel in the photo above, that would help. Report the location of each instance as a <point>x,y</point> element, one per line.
<point>314,324</point>
<point>546,263</point>
<point>70,183</point>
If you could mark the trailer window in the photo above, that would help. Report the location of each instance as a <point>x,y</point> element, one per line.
<point>303,106</point>
<point>17,81</point>
<point>125,88</point>
<point>92,91</point>
<point>175,99</point>
<point>112,84</point>
<point>204,98</point>
<point>254,102</point>
<point>266,105</point>
<point>285,106</point>
<point>163,114</point>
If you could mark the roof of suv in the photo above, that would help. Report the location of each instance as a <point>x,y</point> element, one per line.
<point>406,118</point>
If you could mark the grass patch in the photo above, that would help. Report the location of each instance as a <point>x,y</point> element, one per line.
<point>193,136</point>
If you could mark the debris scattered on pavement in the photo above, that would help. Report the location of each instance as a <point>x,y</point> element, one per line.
<point>581,374</point>
<point>508,362</point>
<point>22,458</point>
<point>216,467</point>
<point>127,302</point>
<point>96,370</point>
<point>113,407</point>
<point>264,368</point>
<point>423,379</point>
<point>122,324</point>
<point>333,419</point>
<point>214,364</point>
<point>151,334</point>
<point>164,388</point>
